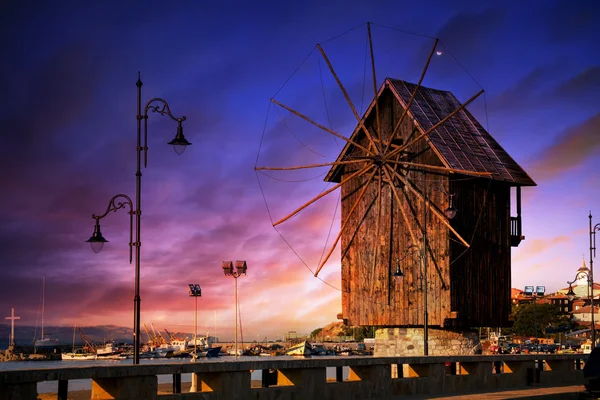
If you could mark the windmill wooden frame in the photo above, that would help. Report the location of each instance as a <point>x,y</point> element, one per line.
<point>411,140</point>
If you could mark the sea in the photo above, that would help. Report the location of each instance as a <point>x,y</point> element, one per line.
<point>86,384</point>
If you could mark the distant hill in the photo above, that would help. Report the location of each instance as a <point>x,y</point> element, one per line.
<point>26,335</point>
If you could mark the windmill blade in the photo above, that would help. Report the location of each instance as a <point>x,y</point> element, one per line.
<point>412,97</point>
<point>437,213</point>
<point>377,238</point>
<point>360,122</point>
<point>441,169</point>
<point>321,126</point>
<point>378,121</point>
<point>434,127</point>
<point>357,161</point>
<point>402,211</point>
<point>346,179</point>
<point>345,222</point>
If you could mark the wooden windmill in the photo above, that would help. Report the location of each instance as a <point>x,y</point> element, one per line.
<point>416,157</point>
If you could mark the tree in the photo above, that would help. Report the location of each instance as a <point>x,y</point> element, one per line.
<point>531,319</point>
<point>314,334</point>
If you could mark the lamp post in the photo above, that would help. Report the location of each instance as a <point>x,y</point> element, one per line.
<point>584,272</point>
<point>179,143</point>
<point>195,292</point>
<point>241,268</point>
<point>450,212</point>
<point>593,230</point>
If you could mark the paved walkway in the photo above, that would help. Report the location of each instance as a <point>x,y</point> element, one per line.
<point>546,393</point>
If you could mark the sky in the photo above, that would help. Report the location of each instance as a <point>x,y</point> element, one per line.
<point>68,123</point>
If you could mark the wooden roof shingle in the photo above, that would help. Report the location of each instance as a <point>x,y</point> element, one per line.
<point>461,141</point>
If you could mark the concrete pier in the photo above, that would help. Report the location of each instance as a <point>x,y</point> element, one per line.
<point>306,378</point>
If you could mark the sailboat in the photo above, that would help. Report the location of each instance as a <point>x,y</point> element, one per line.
<point>78,354</point>
<point>45,342</point>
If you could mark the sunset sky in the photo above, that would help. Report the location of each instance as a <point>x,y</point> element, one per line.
<point>68,127</point>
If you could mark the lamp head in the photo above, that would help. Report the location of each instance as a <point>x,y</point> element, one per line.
<point>398,273</point>
<point>241,267</point>
<point>97,240</point>
<point>179,143</point>
<point>540,290</point>
<point>227,267</point>
<point>451,210</point>
<point>570,293</point>
<point>195,290</point>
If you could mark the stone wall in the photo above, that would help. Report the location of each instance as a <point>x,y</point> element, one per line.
<point>391,342</point>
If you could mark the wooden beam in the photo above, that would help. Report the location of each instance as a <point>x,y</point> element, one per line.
<point>441,169</point>
<point>377,227</point>
<point>374,85</point>
<point>321,126</point>
<point>397,196</point>
<point>345,222</point>
<point>412,97</point>
<point>434,127</point>
<point>346,179</point>
<point>358,118</point>
<point>437,213</point>
<point>309,166</point>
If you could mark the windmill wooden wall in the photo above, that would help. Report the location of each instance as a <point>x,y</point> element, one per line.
<point>465,288</point>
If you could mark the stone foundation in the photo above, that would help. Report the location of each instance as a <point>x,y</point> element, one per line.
<point>405,342</point>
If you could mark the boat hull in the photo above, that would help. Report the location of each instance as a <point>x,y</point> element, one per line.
<point>78,357</point>
<point>301,349</point>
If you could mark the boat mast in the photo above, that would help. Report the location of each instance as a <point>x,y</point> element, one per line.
<point>43,296</point>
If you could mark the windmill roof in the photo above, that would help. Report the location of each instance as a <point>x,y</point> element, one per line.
<point>461,141</point>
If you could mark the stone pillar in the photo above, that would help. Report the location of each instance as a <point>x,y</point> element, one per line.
<point>229,384</point>
<point>408,342</point>
<point>310,383</point>
<point>19,391</point>
<point>126,387</point>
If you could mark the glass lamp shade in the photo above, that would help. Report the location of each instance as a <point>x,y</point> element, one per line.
<point>570,293</point>
<point>397,274</point>
<point>97,240</point>
<point>450,212</point>
<point>179,143</point>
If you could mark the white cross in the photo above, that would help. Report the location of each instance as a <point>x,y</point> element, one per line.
<point>12,326</point>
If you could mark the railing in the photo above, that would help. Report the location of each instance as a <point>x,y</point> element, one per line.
<point>306,378</point>
<point>516,235</point>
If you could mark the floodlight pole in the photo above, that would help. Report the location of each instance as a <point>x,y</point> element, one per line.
<point>241,270</point>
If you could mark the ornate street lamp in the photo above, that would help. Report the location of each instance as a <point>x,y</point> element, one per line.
<point>410,250</point>
<point>584,272</point>
<point>593,230</point>
<point>179,143</point>
<point>195,292</point>
<point>241,268</point>
<point>97,240</point>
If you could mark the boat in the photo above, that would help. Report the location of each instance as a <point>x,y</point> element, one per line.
<point>301,349</point>
<point>45,343</point>
<point>213,351</point>
<point>78,355</point>
<point>208,352</point>
<point>108,350</point>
